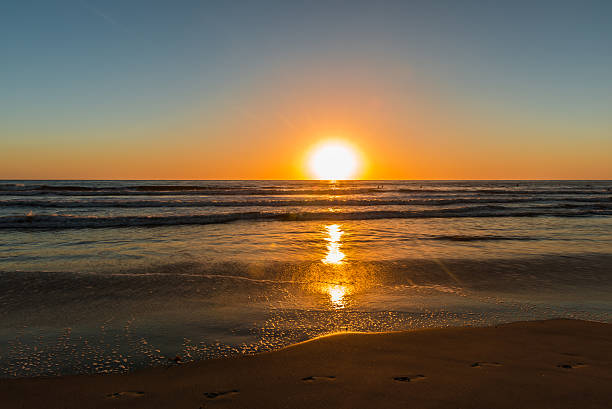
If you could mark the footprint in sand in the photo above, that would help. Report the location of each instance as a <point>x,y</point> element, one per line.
<point>481,364</point>
<point>410,378</point>
<point>217,395</point>
<point>572,366</point>
<point>125,394</point>
<point>318,378</point>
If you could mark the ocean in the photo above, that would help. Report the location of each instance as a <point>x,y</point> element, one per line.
<point>111,276</point>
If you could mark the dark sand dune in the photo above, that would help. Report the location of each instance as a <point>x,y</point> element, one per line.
<point>540,364</point>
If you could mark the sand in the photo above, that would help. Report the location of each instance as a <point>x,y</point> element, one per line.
<point>538,364</point>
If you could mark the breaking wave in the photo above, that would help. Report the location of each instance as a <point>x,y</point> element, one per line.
<point>55,221</point>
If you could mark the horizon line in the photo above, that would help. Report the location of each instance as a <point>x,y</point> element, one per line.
<point>320,180</point>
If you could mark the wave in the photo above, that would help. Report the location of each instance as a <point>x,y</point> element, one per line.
<point>33,221</point>
<point>96,203</point>
<point>480,238</point>
<point>253,190</point>
<point>485,272</point>
<point>20,189</point>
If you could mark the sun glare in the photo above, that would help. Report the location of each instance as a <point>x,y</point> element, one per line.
<point>333,160</point>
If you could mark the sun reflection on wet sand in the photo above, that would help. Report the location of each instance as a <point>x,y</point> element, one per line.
<point>334,255</point>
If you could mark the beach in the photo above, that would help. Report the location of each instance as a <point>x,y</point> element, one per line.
<point>537,364</point>
<point>280,204</point>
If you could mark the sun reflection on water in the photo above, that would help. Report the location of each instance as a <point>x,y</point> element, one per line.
<point>334,255</point>
<point>334,258</point>
<point>336,293</point>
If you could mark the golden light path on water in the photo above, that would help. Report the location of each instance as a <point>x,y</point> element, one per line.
<point>334,255</point>
<point>334,258</point>
<point>336,294</point>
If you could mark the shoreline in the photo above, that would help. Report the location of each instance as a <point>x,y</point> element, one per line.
<point>554,363</point>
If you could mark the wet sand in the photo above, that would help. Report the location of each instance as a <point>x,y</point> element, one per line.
<point>538,364</point>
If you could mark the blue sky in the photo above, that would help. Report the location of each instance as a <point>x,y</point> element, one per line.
<point>77,75</point>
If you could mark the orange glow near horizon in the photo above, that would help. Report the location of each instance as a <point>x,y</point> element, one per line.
<point>284,152</point>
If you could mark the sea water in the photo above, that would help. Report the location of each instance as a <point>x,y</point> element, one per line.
<point>109,276</point>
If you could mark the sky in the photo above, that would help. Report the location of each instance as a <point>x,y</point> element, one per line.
<point>243,90</point>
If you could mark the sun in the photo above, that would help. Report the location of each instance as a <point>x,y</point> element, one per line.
<point>333,160</point>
